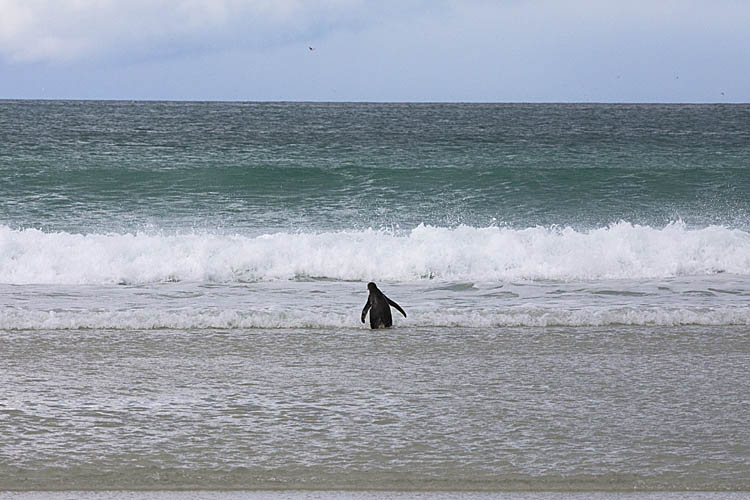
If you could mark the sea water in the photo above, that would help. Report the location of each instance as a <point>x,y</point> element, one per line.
<point>181,287</point>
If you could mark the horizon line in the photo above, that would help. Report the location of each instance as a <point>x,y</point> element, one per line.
<point>304,101</point>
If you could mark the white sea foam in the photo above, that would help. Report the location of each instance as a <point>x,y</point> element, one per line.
<point>190,319</point>
<point>619,251</point>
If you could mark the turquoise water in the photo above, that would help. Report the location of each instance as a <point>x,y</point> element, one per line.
<point>181,284</point>
<point>118,166</point>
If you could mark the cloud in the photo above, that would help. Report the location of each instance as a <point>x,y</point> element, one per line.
<point>60,31</point>
<point>64,31</point>
<point>520,50</point>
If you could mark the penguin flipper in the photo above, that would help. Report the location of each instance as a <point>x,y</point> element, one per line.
<point>364,311</point>
<point>396,306</point>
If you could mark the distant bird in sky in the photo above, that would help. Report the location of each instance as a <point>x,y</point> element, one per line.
<point>311,48</point>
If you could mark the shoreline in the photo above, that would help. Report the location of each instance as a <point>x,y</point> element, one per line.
<point>368,495</point>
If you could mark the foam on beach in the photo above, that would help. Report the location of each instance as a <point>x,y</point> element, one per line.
<point>282,318</point>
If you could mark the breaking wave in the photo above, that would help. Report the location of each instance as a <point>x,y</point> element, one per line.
<point>189,319</point>
<point>618,251</point>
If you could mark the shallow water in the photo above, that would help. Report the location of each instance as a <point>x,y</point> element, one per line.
<point>368,495</point>
<point>406,408</point>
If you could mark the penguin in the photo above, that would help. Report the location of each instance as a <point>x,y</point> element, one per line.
<point>380,308</point>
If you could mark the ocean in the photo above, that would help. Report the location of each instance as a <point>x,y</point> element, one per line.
<point>181,286</point>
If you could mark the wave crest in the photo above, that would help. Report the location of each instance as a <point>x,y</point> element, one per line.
<point>156,319</point>
<point>464,253</point>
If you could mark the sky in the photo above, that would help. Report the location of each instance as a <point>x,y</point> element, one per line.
<point>377,50</point>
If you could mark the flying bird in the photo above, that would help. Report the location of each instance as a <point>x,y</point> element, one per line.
<point>311,48</point>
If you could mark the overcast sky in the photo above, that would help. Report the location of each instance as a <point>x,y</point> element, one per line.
<point>387,50</point>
